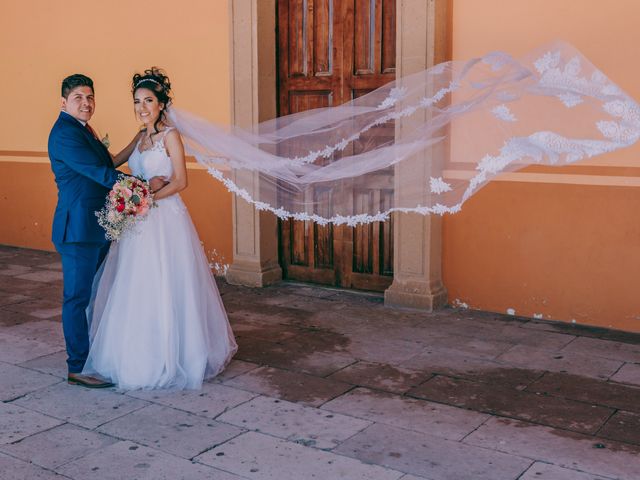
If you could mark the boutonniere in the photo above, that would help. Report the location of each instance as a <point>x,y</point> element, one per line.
<point>105,141</point>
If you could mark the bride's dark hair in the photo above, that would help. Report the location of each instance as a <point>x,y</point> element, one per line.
<point>156,80</point>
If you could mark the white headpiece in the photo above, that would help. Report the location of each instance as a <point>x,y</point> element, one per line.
<point>147,80</point>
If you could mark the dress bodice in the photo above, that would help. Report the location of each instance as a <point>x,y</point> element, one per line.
<point>153,162</point>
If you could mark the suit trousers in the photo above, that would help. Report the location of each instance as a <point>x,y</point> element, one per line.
<point>80,262</point>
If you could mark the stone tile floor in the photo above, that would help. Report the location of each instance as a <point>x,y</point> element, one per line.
<point>330,385</point>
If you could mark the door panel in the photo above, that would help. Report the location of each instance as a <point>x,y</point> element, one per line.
<point>329,52</point>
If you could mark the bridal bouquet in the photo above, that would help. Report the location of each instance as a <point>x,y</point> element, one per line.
<point>128,202</point>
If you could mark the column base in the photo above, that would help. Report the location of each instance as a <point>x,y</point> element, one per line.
<point>250,274</point>
<point>416,295</point>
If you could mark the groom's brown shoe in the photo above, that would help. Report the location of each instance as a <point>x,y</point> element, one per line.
<point>87,381</point>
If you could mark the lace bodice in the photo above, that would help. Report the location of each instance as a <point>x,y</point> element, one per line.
<point>152,162</point>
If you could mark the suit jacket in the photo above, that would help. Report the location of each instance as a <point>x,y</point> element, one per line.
<point>84,174</point>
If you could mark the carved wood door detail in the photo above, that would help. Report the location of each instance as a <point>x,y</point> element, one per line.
<point>329,52</point>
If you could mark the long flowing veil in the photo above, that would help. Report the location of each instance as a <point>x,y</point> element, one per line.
<point>428,141</point>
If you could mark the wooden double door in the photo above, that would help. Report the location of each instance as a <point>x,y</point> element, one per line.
<point>329,52</point>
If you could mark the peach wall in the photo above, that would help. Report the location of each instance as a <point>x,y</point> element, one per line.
<point>561,243</point>
<point>42,41</point>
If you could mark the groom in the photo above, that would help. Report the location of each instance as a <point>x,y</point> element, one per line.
<point>84,174</point>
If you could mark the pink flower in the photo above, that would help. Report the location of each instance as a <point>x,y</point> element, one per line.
<point>142,210</point>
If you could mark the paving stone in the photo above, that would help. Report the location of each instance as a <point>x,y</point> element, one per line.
<point>566,362</point>
<point>127,460</point>
<point>80,406</point>
<point>509,402</point>
<point>12,270</point>
<point>318,333</point>
<point>10,318</point>
<point>305,425</point>
<point>340,323</point>
<point>380,376</point>
<point>559,447</point>
<point>291,357</point>
<point>53,364</point>
<point>312,339</point>
<point>316,292</point>
<point>413,414</point>
<point>45,331</point>
<point>585,331</point>
<point>58,446</point>
<point>620,336</point>
<point>52,265</point>
<point>17,350</point>
<point>291,386</point>
<point>629,373</point>
<point>265,331</point>
<point>421,334</point>
<point>7,298</point>
<point>623,427</point>
<point>27,256</point>
<point>42,276</point>
<point>51,292</point>
<point>623,352</point>
<point>17,381</point>
<point>545,471</point>
<point>41,307</point>
<point>516,334</point>
<point>518,378</point>
<point>589,390</point>
<point>14,469</point>
<point>260,312</point>
<point>170,430</point>
<point>210,401</point>
<point>17,423</point>
<point>470,347</point>
<point>430,456</point>
<point>450,362</point>
<point>18,285</point>
<point>235,368</point>
<point>392,352</point>
<point>563,327</point>
<point>257,456</point>
<point>47,312</point>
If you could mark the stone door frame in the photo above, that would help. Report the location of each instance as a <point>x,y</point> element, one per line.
<point>423,39</point>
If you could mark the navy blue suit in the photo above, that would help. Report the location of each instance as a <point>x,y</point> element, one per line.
<point>84,175</point>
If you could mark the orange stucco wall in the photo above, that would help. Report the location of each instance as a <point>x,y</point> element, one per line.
<point>43,41</point>
<point>564,244</point>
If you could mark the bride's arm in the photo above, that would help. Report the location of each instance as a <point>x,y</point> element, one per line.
<point>126,152</point>
<point>178,182</point>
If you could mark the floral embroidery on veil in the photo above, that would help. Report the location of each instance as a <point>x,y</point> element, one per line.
<point>454,127</point>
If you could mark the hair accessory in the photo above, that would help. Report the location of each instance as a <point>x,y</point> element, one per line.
<point>147,80</point>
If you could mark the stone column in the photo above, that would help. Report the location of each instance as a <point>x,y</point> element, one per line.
<point>423,41</point>
<point>253,99</point>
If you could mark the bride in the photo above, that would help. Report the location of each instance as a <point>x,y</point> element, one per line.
<point>156,317</point>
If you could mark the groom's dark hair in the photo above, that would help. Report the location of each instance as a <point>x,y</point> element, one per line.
<point>73,81</point>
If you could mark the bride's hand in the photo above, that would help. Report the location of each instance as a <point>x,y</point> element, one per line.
<point>156,183</point>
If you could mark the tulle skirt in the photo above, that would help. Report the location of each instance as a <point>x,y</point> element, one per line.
<point>156,317</point>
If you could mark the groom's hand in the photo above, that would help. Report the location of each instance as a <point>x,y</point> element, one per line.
<point>156,183</point>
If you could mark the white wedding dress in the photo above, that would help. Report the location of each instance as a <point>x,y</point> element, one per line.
<point>156,317</point>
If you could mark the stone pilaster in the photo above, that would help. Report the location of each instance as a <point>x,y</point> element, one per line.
<point>423,29</point>
<point>253,99</point>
